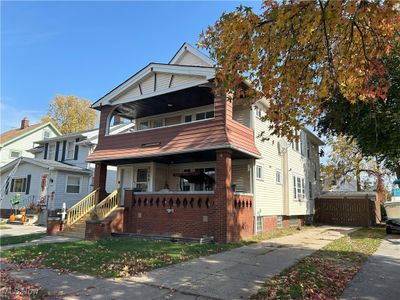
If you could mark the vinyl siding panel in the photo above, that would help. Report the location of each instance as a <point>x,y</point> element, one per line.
<point>24,144</point>
<point>191,60</point>
<point>68,198</point>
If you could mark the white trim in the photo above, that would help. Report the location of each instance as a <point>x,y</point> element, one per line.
<point>12,150</point>
<point>80,183</point>
<point>189,48</point>
<point>206,72</point>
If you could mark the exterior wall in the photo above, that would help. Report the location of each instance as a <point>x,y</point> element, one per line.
<point>63,196</point>
<point>268,193</point>
<point>23,170</point>
<point>242,115</point>
<point>24,144</point>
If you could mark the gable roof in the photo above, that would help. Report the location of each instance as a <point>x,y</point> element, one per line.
<point>13,134</point>
<point>189,64</point>
<point>47,164</point>
<point>186,49</point>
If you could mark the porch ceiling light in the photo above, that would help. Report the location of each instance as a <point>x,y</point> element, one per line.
<point>170,104</point>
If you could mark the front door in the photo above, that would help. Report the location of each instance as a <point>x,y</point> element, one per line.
<point>126,182</point>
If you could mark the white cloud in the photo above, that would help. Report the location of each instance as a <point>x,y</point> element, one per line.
<point>11,116</point>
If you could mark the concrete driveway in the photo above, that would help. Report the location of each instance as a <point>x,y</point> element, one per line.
<point>379,278</point>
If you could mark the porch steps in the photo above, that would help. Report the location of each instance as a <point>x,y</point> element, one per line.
<point>77,229</point>
<point>170,238</point>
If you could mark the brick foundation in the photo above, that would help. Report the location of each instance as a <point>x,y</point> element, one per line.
<point>96,230</point>
<point>54,225</point>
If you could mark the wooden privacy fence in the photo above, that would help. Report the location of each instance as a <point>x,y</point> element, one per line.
<point>346,211</point>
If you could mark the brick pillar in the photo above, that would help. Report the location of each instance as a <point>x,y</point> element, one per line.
<point>223,197</point>
<point>100,176</point>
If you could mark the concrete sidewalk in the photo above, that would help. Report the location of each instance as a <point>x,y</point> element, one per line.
<point>379,278</point>
<point>48,239</point>
<point>16,230</point>
<point>234,274</point>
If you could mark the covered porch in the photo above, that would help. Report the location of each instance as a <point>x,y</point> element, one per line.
<point>197,194</point>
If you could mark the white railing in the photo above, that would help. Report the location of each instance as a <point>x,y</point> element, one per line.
<point>105,207</point>
<point>81,208</point>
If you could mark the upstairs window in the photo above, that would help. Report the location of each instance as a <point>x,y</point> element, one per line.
<point>70,150</point>
<point>46,134</point>
<point>158,123</point>
<point>205,115</point>
<point>144,125</point>
<point>172,120</point>
<point>258,111</point>
<point>15,154</point>
<point>259,172</point>
<point>278,177</point>
<point>52,152</point>
<point>188,118</point>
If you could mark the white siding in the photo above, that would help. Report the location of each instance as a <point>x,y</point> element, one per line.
<point>268,193</point>
<point>68,198</point>
<point>189,59</point>
<point>23,170</point>
<point>185,80</point>
<point>24,144</point>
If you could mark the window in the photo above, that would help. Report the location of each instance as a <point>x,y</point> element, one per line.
<point>278,177</point>
<point>279,222</point>
<point>207,185</point>
<point>184,183</point>
<point>259,172</point>
<point>73,184</point>
<point>200,116</point>
<point>144,125</point>
<point>70,150</point>
<point>301,138</point>
<point>142,178</point>
<point>46,134</point>
<point>310,193</point>
<point>188,118</point>
<point>158,123</point>
<point>258,112</point>
<point>299,195</point>
<point>293,221</point>
<point>18,185</point>
<point>172,120</point>
<point>298,188</point>
<point>209,114</point>
<point>204,115</point>
<point>52,152</point>
<point>15,154</point>
<point>259,224</point>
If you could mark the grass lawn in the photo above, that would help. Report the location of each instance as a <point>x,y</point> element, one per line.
<point>119,257</point>
<point>20,238</point>
<point>111,257</point>
<point>324,274</point>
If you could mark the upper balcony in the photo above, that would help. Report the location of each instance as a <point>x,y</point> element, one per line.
<point>186,121</point>
<point>175,111</point>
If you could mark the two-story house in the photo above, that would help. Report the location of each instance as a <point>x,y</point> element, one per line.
<point>57,173</point>
<point>16,142</point>
<point>194,164</point>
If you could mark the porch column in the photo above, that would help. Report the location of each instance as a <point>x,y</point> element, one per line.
<point>99,182</point>
<point>223,196</point>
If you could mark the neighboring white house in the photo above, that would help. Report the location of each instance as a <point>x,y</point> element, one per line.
<point>58,172</point>
<point>16,142</point>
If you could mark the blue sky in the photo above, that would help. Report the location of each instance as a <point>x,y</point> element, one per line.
<point>87,48</point>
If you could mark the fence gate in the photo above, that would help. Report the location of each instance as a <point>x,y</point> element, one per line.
<point>346,211</point>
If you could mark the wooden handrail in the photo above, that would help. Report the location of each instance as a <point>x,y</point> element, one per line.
<point>106,206</point>
<point>81,208</point>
